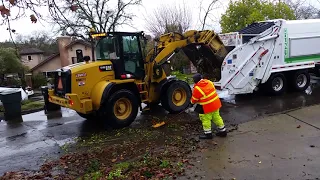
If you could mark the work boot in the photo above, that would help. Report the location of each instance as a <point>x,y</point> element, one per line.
<point>222,132</point>
<point>206,136</point>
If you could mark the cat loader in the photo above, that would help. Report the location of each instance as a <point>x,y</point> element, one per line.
<point>114,84</point>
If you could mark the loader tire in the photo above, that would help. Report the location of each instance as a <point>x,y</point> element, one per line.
<point>176,97</point>
<point>121,109</point>
<point>300,81</point>
<point>276,84</point>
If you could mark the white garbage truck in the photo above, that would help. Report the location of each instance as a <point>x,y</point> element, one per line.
<point>274,55</point>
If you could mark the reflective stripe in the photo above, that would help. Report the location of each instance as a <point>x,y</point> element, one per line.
<point>203,94</point>
<point>195,98</point>
<point>208,102</point>
<point>211,94</point>
<point>211,83</point>
<point>222,129</point>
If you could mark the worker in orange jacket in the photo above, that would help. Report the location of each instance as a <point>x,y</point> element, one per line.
<point>208,104</point>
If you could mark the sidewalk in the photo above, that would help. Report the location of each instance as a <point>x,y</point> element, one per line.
<point>284,146</point>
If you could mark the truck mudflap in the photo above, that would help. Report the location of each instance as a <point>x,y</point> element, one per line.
<point>71,101</point>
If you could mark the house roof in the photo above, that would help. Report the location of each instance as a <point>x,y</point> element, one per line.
<point>79,42</point>
<point>29,51</point>
<point>58,54</point>
<point>45,61</point>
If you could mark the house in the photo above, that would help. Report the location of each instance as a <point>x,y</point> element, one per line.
<point>33,58</point>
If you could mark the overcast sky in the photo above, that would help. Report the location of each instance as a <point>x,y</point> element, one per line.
<point>25,27</point>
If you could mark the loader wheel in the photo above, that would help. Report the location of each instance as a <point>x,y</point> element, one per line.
<point>121,109</point>
<point>276,84</point>
<point>176,97</point>
<point>300,81</point>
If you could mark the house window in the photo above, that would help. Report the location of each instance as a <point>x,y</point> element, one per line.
<point>29,58</point>
<point>74,60</point>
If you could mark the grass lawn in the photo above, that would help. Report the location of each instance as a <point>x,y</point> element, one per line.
<point>30,105</point>
<point>26,105</point>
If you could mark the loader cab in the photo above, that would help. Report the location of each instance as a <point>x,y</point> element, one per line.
<point>124,50</point>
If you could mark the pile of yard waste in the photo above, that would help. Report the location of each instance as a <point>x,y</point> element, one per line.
<point>129,153</point>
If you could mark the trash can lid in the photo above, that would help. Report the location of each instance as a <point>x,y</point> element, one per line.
<point>9,91</point>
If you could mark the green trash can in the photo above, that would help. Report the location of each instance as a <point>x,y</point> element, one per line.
<point>48,106</point>
<point>11,101</point>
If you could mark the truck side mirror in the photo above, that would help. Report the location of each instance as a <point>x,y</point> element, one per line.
<point>86,58</point>
<point>79,55</point>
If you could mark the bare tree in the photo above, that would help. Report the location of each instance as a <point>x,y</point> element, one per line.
<point>73,17</point>
<point>207,12</point>
<point>168,18</point>
<point>22,9</point>
<point>76,17</point>
<point>302,9</point>
<point>39,39</point>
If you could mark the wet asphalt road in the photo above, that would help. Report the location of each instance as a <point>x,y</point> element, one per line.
<point>39,138</point>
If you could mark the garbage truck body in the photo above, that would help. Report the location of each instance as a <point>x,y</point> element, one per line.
<point>274,55</point>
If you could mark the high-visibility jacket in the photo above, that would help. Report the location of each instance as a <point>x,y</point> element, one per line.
<point>204,93</point>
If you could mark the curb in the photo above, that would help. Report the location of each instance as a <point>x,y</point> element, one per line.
<point>31,111</point>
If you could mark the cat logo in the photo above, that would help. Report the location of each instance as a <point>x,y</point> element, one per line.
<point>60,86</point>
<point>105,68</point>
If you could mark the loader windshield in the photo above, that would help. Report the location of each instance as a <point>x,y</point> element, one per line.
<point>107,48</point>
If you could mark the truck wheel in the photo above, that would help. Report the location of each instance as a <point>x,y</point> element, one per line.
<point>277,84</point>
<point>91,116</point>
<point>121,109</point>
<point>177,96</point>
<point>300,81</point>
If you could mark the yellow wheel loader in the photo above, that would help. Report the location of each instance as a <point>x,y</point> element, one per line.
<point>121,77</point>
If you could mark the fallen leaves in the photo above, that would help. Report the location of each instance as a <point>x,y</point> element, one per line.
<point>156,125</point>
<point>114,160</point>
<point>214,143</point>
<point>140,153</point>
<point>299,126</point>
<point>185,160</point>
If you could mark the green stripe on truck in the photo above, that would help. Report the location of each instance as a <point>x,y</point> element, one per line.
<point>302,58</point>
